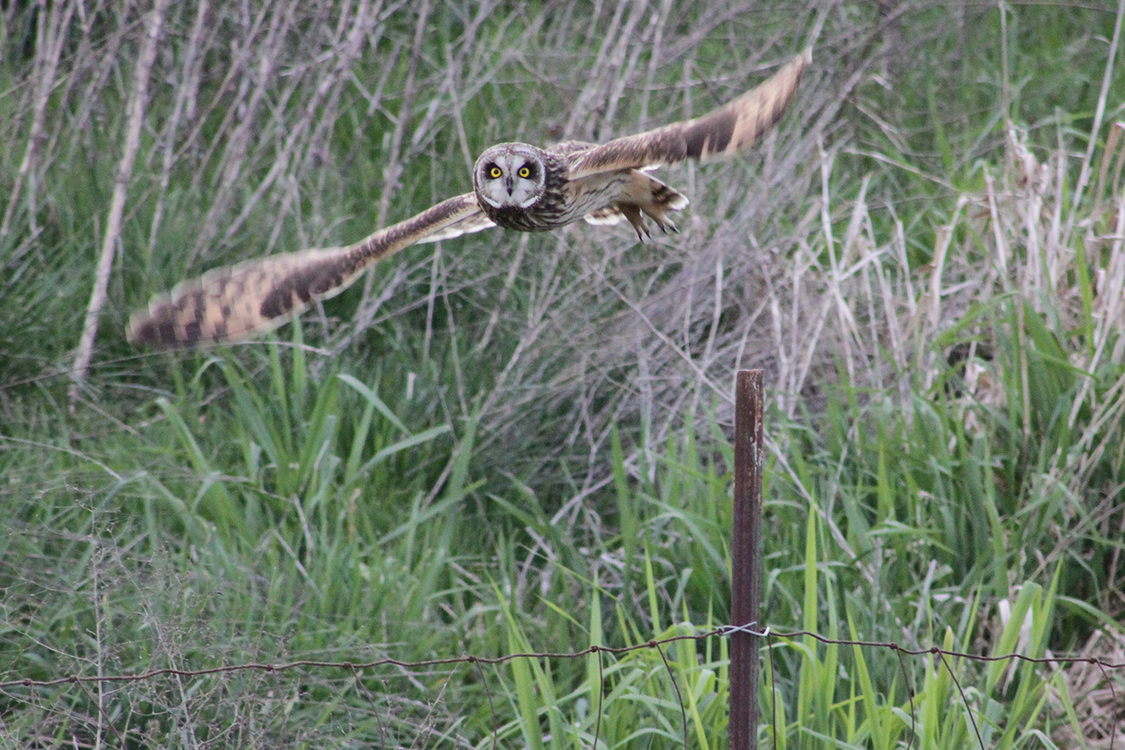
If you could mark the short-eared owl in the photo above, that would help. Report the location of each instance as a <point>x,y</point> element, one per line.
<point>515,185</point>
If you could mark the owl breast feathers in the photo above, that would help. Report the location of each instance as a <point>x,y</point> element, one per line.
<point>515,186</point>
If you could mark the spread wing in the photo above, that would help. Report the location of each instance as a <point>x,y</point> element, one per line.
<point>721,133</point>
<point>236,302</point>
<point>475,221</point>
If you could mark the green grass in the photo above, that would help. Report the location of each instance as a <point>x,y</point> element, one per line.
<point>509,443</point>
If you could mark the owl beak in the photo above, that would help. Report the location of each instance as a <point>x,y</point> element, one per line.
<point>509,184</point>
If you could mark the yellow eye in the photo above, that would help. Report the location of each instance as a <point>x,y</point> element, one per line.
<point>495,172</point>
<point>524,172</point>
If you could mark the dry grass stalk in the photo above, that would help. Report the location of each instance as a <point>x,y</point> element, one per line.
<point>124,173</point>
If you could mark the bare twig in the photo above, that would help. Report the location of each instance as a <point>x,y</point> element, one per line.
<point>122,176</point>
<point>50,36</point>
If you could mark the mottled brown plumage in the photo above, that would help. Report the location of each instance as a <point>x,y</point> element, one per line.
<point>253,297</point>
<point>719,134</point>
<point>515,185</point>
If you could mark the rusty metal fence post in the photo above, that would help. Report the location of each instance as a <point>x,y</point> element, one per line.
<point>746,559</point>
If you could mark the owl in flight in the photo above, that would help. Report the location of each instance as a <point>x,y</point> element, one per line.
<point>515,186</point>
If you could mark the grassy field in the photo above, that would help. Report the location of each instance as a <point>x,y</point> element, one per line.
<point>507,443</point>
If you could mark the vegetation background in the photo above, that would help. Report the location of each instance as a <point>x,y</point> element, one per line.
<point>509,442</point>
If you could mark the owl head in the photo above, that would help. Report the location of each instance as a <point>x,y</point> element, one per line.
<point>510,175</point>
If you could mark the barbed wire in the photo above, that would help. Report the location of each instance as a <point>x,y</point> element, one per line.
<point>656,644</point>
